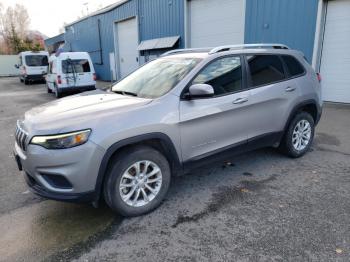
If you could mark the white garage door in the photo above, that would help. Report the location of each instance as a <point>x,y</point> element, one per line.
<point>127,43</point>
<point>335,63</point>
<point>213,23</point>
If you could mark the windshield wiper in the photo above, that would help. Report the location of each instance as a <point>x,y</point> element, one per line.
<point>125,93</point>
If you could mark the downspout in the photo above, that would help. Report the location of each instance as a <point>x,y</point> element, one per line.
<point>99,41</point>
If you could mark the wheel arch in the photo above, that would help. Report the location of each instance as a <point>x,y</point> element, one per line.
<point>309,106</point>
<point>158,141</point>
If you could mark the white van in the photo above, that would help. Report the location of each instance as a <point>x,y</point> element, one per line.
<point>70,72</point>
<point>33,66</point>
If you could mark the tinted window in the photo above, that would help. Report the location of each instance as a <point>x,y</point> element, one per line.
<point>75,66</point>
<point>293,66</point>
<point>224,75</point>
<point>36,60</point>
<point>265,69</point>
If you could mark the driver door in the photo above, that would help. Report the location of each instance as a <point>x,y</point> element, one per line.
<point>209,125</point>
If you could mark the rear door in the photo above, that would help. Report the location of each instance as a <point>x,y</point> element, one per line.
<point>273,94</point>
<point>36,64</point>
<point>78,72</point>
<point>212,124</point>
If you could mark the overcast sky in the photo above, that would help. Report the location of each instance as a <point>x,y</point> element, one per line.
<point>48,16</point>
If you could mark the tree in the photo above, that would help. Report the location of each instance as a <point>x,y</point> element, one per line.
<point>14,30</point>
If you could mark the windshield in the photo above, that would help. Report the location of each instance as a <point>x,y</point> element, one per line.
<point>36,60</point>
<point>156,78</point>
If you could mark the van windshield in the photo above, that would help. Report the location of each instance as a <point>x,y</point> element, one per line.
<point>36,60</point>
<point>75,66</point>
<point>156,78</point>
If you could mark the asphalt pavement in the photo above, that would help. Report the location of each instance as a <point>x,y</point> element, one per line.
<point>262,206</point>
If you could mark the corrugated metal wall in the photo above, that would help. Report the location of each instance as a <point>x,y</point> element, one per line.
<point>54,40</point>
<point>84,36</point>
<point>290,22</point>
<point>157,18</point>
<point>160,18</point>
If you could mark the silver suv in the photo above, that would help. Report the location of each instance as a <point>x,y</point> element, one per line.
<point>175,113</point>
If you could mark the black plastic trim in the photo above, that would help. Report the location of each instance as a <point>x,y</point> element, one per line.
<point>300,106</point>
<point>229,151</point>
<point>76,88</point>
<point>86,197</point>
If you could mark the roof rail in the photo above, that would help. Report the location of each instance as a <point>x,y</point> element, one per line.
<point>187,50</point>
<point>214,50</point>
<point>244,46</point>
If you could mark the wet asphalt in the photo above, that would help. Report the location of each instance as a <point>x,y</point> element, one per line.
<point>262,206</point>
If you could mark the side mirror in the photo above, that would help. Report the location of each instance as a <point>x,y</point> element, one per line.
<point>200,91</point>
<point>17,66</point>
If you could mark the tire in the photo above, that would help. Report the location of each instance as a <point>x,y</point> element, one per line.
<point>296,150</point>
<point>21,80</point>
<point>48,89</point>
<point>26,81</point>
<point>123,165</point>
<point>58,93</point>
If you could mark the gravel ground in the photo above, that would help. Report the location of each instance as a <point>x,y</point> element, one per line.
<point>262,207</point>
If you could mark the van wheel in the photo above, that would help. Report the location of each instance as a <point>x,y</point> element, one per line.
<point>299,135</point>
<point>21,80</point>
<point>48,89</point>
<point>26,81</point>
<point>58,93</point>
<point>137,181</point>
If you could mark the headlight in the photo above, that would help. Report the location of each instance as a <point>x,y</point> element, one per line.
<point>62,140</point>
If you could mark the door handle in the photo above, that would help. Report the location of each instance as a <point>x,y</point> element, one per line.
<point>290,89</point>
<point>240,100</point>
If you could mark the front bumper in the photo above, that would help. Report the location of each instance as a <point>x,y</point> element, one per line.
<point>64,174</point>
<point>36,188</point>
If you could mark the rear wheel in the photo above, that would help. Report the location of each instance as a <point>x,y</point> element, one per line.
<point>48,89</point>
<point>58,93</point>
<point>26,81</point>
<point>137,181</point>
<point>299,135</point>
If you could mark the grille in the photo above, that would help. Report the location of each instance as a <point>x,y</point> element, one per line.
<point>21,137</point>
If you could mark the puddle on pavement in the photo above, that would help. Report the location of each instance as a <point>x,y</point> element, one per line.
<point>35,232</point>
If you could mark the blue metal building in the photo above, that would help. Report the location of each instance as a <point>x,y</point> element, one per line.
<point>124,35</point>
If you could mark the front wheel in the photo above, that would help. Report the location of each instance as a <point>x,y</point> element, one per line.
<point>137,181</point>
<point>299,135</point>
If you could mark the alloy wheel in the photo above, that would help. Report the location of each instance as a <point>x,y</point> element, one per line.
<point>301,135</point>
<point>140,183</point>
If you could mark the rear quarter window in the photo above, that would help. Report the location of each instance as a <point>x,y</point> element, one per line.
<point>293,66</point>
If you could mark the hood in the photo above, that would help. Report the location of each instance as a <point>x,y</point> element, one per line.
<point>80,108</point>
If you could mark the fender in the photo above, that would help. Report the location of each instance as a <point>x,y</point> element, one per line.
<point>170,153</point>
<point>297,107</point>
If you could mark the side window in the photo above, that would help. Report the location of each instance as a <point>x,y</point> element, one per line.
<point>265,69</point>
<point>224,75</point>
<point>294,67</point>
